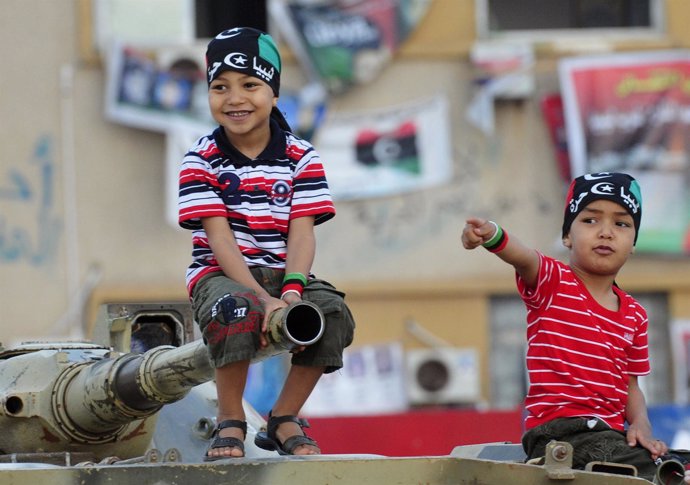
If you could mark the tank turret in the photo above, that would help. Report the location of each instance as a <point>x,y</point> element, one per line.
<point>102,400</point>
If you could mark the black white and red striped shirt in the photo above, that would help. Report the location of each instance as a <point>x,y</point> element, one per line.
<point>258,197</point>
<point>579,354</point>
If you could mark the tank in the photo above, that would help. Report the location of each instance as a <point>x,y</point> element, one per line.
<point>137,403</point>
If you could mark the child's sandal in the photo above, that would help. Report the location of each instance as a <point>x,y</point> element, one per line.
<point>228,442</point>
<point>268,440</point>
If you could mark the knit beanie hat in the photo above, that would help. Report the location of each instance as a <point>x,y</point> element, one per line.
<point>244,50</point>
<point>620,188</point>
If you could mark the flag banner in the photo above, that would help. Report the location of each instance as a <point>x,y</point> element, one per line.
<point>630,112</point>
<point>387,151</point>
<point>345,43</point>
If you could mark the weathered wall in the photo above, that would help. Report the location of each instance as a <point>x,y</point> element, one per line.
<point>82,199</point>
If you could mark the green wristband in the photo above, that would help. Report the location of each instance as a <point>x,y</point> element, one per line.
<point>496,237</point>
<point>295,276</point>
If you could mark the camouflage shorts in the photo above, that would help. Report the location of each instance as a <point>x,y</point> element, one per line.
<point>229,316</point>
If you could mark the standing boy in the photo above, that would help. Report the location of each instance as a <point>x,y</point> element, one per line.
<point>252,193</point>
<point>586,338</point>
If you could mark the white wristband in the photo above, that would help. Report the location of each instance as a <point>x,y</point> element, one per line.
<point>290,291</point>
<point>495,230</point>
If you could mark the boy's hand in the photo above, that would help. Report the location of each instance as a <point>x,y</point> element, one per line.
<point>643,437</point>
<point>270,305</point>
<point>291,298</point>
<point>476,232</point>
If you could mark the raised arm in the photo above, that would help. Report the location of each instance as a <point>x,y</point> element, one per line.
<point>478,232</point>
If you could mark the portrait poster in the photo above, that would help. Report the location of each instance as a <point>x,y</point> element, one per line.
<point>154,87</point>
<point>630,112</point>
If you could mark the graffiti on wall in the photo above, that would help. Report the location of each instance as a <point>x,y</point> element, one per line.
<point>400,223</point>
<point>29,227</point>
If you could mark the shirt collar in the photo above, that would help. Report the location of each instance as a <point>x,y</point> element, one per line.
<point>274,150</point>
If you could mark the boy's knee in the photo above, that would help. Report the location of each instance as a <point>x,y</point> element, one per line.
<point>340,329</point>
<point>326,297</point>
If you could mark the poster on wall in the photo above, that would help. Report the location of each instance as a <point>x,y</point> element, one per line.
<point>344,43</point>
<point>372,381</point>
<point>630,112</point>
<point>154,87</point>
<point>387,151</point>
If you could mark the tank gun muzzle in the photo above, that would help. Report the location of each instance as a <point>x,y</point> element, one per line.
<point>298,325</point>
<point>670,471</point>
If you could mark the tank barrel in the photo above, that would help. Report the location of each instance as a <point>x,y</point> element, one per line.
<point>297,325</point>
<point>93,398</point>
<point>113,392</point>
<point>87,397</point>
<point>163,375</point>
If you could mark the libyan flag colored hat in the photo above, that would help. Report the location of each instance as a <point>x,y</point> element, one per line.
<point>620,188</point>
<point>246,50</point>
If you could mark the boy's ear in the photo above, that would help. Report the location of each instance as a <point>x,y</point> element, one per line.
<point>567,243</point>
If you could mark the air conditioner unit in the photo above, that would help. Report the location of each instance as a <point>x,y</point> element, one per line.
<point>442,375</point>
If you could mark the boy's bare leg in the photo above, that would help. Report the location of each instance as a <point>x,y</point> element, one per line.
<point>299,384</point>
<point>230,383</point>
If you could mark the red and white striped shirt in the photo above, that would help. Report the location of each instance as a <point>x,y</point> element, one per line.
<point>579,354</point>
<point>258,197</point>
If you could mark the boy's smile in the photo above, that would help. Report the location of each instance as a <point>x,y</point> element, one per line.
<point>242,105</point>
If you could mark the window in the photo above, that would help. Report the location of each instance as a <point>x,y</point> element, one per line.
<point>547,19</point>
<point>164,21</point>
<point>214,16</point>
<point>507,370</point>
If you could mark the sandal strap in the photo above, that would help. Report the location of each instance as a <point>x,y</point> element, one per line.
<point>229,442</point>
<point>298,440</point>
<point>275,421</point>
<point>231,423</point>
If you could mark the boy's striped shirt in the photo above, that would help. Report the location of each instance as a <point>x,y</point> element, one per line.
<point>579,354</point>
<point>258,197</point>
